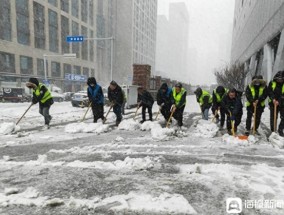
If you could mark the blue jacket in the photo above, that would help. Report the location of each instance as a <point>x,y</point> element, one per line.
<point>95,94</point>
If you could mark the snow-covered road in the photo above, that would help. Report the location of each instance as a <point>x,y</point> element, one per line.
<point>134,169</point>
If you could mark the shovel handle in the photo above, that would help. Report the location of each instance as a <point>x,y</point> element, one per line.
<point>24,114</point>
<point>254,119</point>
<point>136,112</point>
<point>168,123</point>
<point>86,112</point>
<point>275,117</point>
<point>108,113</point>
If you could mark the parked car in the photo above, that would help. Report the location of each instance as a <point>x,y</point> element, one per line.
<point>57,97</point>
<point>68,96</point>
<point>80,99</point>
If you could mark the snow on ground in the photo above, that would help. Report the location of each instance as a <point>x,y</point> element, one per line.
<point>86,128</point>
<point>192,170</point>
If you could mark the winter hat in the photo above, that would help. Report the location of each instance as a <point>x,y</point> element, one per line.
<point>164,86</point>
<point>198,91</point>
<point>113,83</point>
<point>178,85</point>
<point>220,90</point>
<point>278,76</point>
<point>32,83</point>
<point>91,80</point>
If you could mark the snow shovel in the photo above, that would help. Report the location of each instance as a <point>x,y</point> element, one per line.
<point>158,114</point>
<point>275,117</point>
<point>136,111</point>
<point>241,137</point>
<point>24,113</point>
<point>108,113</point>
<point>168,123</point>
<point>86,112</point>
<point>254,119</point>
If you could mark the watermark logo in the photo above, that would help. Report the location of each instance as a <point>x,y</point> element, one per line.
<point>234,205</point>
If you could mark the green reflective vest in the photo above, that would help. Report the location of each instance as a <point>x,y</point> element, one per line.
<point>218,97</point>
<point>273,88</point>
<point>252,89</point>
<point>46,96</point>
<point>205,94</point>
<point>177,97</point>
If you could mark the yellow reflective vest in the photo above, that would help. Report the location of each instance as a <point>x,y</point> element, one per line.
<point>252,89</point>
<point>177,96</point>
<point>205,94</point>
<point>46,96</point>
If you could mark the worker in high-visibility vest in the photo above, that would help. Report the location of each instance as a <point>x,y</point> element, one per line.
<point>276,98</point>
<point>41,95</point>
<point>178,99</point>
<point>256,93</point>
<point>204,99</point>
<point>217,97</point>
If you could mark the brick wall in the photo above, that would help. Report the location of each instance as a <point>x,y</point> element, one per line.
<point>141,75</point>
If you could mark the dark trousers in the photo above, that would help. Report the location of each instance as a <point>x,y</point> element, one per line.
<point>238,119</point>
<point>117,112</point>
<point>222,113</point>
<point>279,110</point>
<point>44,110</point>
<point>166,112</point>
<point>144,107</point>
<point>178,115</point>
<point>250,112</point>
<point>123,108</point>
<point>98,111</point>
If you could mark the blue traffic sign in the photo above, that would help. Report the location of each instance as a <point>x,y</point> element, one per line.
<point>71,39</point>
<point>74,77</point>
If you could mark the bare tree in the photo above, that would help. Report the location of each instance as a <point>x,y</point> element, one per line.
<point>231,76</point>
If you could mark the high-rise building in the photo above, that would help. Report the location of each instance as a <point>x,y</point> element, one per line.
<point>258,36</point>
<point>135,36</point>
<point>172,41</point>
<point>117,35</point>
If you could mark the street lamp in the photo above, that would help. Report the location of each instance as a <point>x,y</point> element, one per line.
<point>111,51</point>
<point>67,55</point>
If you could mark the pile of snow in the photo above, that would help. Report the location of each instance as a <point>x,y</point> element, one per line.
<point>226,138</point>
<point>129,125</point>
<point>206,129</point>
<point>30,197</point>
<point>276,140</point>
<point>164,203</point>
<point>8,128</point>
<point>157,132</point>
<point>86,128</point>
<point>127,164</point>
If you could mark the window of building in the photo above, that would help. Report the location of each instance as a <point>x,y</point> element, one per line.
<point>64,5</point>
<point>91,47</point>
<point>84,10</point>
<point>53,30</point>
<point>75,46</point>
<point>86,72</point>
<point>64,33</point>
<point>39,26</point>
<point>40,67</point>
<point>55,69</point>
<point>77,70</point>
<point>5,23</point>
<point>93,72</point>
<point>67,69</point>
<point>75,8</point>
<point>53,2</point>
<point>26,65</point>
<point>7,63</point>
<point>91,13</point>
<point>23,29</point>
<point>100,30</point>
<point>84,32</point>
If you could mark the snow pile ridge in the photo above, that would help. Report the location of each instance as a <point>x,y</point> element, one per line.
<point>8,128</point>
<point>276,140</point>
<point>157,132</point>
<point>205,129</point>
<point>129,125</point>
<point>86,128</point>
<point>226,138</point>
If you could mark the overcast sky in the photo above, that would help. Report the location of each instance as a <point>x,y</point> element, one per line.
<point>210,34</point>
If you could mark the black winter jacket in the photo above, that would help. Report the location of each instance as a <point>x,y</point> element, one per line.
<point>115,96</point>
<point>233,106</point>
<point>146,99</point>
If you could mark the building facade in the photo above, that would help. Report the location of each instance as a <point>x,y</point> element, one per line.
<point>172,41</point>
<point>258,37</point>
<point>135,37</point>
<point>31,29</point>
